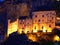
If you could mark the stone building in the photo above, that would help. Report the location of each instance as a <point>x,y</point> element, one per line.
<point>41,21</point>
<point>25,25</point>
<point>44,20</point>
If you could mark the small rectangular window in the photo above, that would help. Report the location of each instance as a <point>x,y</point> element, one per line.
<point>36,16</point>
<point>52,17</point>
<point>42,15</point>
<point>39,20</point>
<point>49,25</point>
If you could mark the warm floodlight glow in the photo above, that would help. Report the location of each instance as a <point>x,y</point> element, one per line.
<point>26,30</point>
<point>34,31</point>
<point>44,29</point>
<point>49,30</point>
<point>35,28</point>
<point>12,27</point>
<point>32,37</point>
<point>56,38</point>
<point>19,31</point>
<point>58,18</point>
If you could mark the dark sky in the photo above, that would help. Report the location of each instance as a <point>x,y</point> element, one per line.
<point>1,0</point>
<point>41,4</point>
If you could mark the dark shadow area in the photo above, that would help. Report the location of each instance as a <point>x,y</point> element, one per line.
<point>16,39</point>
<point>56,31</point>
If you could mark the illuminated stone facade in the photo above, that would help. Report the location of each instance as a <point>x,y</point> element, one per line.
<point>25,25</point>
<point>12,26</point>
<point>44,20</point>
<point>41,20</point>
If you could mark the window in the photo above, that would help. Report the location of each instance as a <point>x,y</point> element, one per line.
<point>42,27</point>
<point>27,31</point>
<point>27,23</point>
<point>50,20</point>
<point>20,23</point>
<point>35,27</point>
<point>49,25</point>
<point>35,15</point>
<point>53,14</point>
<point>22,28</point>
<point>39,20</point>
<point>47,14</point>
<point>42,15</point>
<point>52,17</point>
<point>42,20</point>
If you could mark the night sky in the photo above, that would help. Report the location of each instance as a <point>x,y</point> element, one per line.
<point>1,0</point>
<point>38,5</point>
